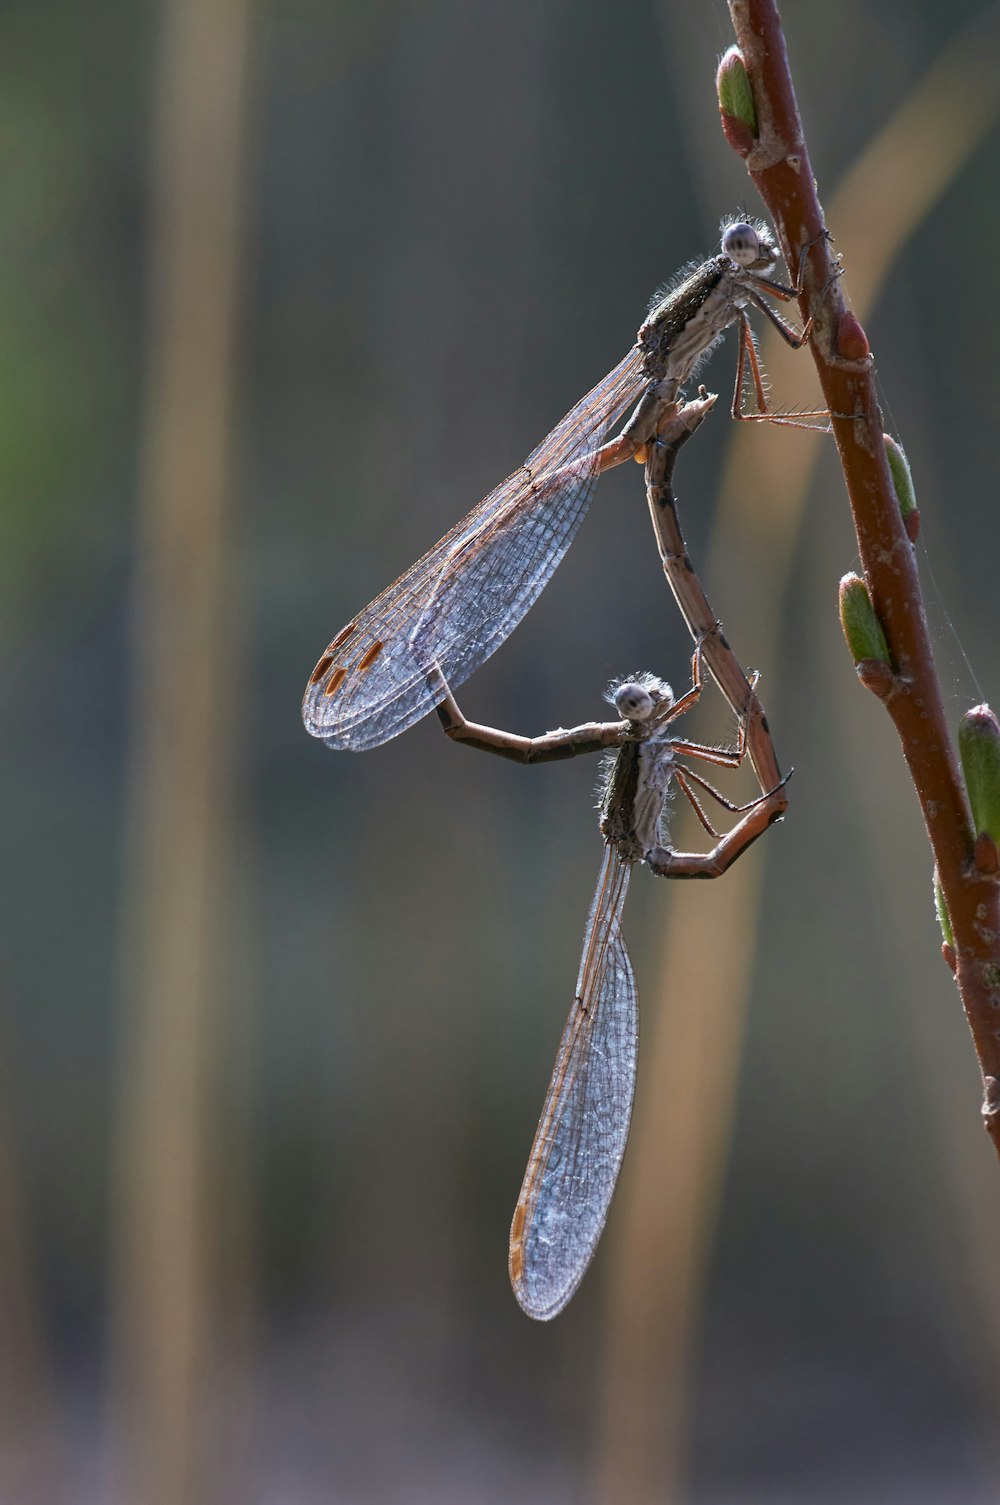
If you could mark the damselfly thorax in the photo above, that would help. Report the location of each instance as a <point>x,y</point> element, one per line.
<point>638,776</point>
<point>685,325</point>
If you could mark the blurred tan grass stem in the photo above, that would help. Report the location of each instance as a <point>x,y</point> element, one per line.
<point>181,754</point>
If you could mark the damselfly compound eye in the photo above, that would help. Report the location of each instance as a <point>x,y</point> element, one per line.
<point>633,702</point>
<point>741,244</point>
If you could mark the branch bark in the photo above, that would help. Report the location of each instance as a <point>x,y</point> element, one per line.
<point>778,162</point>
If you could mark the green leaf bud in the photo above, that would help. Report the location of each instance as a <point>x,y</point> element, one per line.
<point>979,750</point>
<point>862,628</point>
<point>902,480</point>
<point>735,93</point>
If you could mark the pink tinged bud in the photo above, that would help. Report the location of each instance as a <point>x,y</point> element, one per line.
<point>852,342</point>
<point>979,750</point>
<point>736,106</point>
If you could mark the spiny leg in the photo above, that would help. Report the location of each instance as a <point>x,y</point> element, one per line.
<point>720,798</point>
<point>672,710</point>
<point>793,338</point>
<point>680,778</point>
<point>789,294</point>
<point>684,775</point>
<point>763,288</point>
<point>747,355</point>
<point>667,863</point>
<point>727,757</point>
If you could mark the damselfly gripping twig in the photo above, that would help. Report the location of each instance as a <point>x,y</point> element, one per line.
<point>457,604</point>
<point>580,1139</point>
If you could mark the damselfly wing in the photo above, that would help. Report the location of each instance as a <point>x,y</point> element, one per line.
<point>581,1136</point>
<point>457,604</point>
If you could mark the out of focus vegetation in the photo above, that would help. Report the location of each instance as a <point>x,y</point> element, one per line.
<point>452,217</point>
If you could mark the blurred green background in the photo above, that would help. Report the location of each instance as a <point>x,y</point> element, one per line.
<point>283,291</point>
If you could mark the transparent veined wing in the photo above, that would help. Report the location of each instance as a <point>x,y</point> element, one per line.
<point>458,603</point>
<point>581,1135</point>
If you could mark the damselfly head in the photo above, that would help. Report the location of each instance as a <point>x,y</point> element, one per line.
<point>636,699</point>
<point>750,244</point>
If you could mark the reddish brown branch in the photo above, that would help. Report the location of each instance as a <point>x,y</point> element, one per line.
<point>778,162</point>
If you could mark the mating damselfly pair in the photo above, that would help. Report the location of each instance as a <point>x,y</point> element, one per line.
<point>439,621</point>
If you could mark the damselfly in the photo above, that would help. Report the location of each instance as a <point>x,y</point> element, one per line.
<point>457,604</point>
<point>580,1139</point>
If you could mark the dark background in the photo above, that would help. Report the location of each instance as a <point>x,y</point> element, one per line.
<point>451,218</point>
